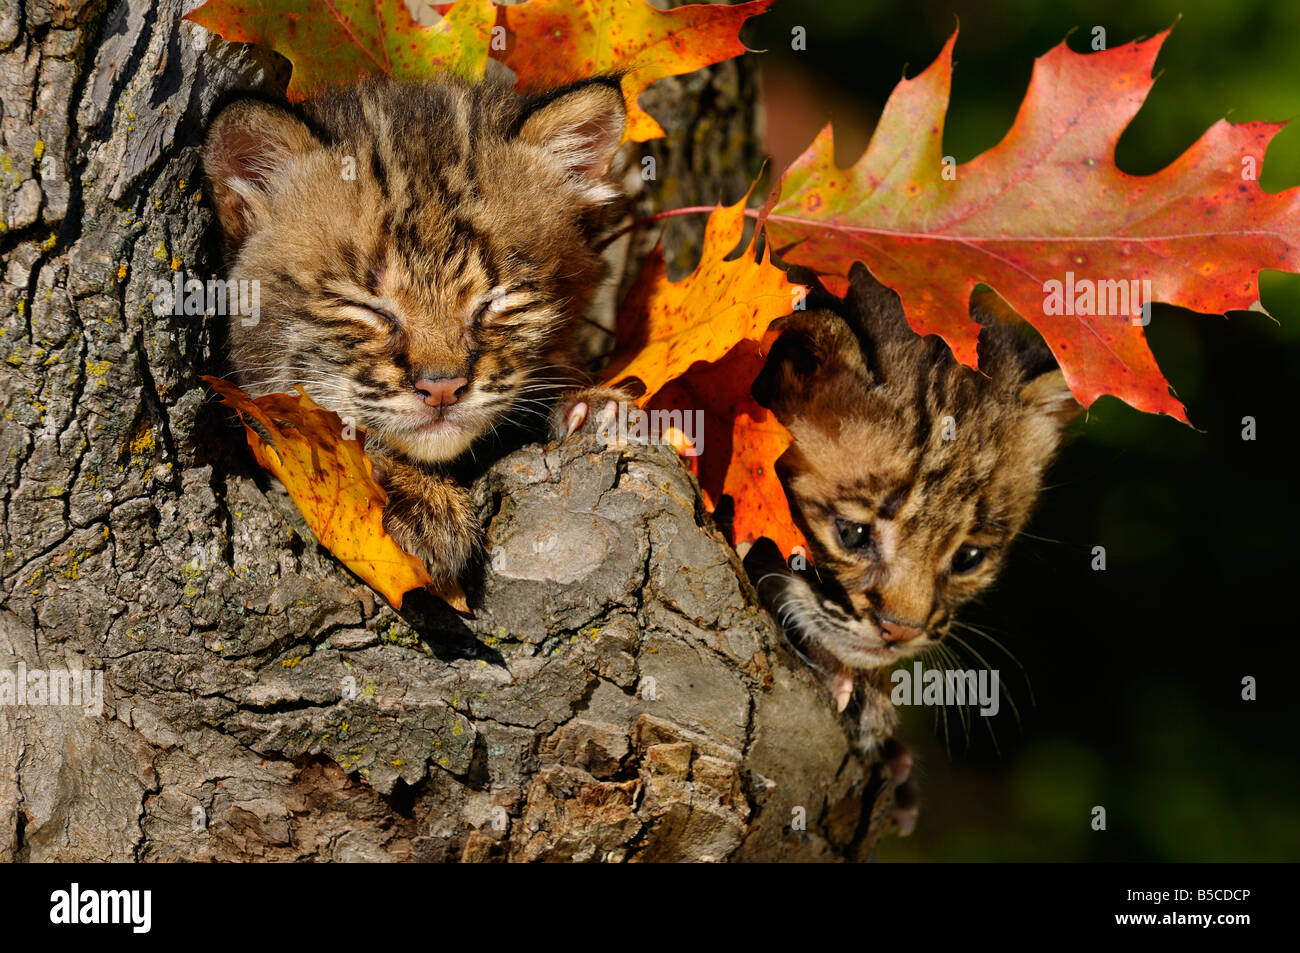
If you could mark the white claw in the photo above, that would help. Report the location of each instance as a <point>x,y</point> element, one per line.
<point>577,414</point>
<point>842,691</point>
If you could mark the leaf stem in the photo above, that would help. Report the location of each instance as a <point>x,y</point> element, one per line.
<point>670,213</point>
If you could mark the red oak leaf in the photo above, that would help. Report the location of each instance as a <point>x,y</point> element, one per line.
<point>1047,219</point>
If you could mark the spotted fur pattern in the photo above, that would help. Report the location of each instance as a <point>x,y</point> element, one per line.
<point>423,251</point>
<point>909,473</point>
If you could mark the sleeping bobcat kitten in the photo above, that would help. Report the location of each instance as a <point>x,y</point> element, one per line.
<point>423,251</point>
<point>910,474</point>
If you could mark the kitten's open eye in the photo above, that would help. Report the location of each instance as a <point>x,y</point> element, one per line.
<point>853,535</point>
<point>967,559</point>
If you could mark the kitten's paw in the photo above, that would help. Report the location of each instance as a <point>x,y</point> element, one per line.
<point>897,759</point>
<point>907,809</point>
<point>589,410</point>
<point>433,519</point>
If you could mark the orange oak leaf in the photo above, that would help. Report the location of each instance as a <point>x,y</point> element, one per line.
<point>558,41</point>
<point>329,479</point>
<point>736,445</point>
<point>1047,219</point>
<point>343,40</point>
<point>664,327</point>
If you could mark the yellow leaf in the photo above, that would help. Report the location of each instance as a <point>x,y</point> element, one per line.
<point>330,480</point>
<point>664,327</point>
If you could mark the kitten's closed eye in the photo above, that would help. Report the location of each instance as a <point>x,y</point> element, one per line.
<point>501,303</point>
<point>375,314</point>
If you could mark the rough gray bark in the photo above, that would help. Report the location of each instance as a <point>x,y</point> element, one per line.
<point>617,695</point>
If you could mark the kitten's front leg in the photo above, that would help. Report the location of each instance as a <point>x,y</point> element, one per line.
<point>430,516</point>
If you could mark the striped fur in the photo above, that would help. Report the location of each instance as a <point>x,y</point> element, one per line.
<point>407,232</point>
<point>918,456</point>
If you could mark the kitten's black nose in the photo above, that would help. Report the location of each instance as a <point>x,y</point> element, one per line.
<point>441,391</point>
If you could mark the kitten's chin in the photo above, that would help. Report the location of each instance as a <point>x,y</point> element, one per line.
<point>439,441</point>
<point>864,656</point>
<point>859,652</point>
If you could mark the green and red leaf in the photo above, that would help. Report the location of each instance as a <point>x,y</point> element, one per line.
<point>343,40</point>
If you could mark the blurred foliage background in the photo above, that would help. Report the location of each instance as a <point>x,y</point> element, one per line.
<point>1136,671</point>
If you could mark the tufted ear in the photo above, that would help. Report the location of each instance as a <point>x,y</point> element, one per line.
<point>1049,395</point>
<point>875,311</point>
<point>248,145</point>
<point>582,127</point>
<point>1014,354</point>
<point>814,347</point>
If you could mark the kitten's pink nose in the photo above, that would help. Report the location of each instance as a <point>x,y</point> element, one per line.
<point>892,631</point>
<point>442,391</point>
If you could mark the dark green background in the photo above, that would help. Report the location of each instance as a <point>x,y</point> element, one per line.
<point>1136,671</point>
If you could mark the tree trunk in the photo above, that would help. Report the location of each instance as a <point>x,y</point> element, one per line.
<point>617,695</point>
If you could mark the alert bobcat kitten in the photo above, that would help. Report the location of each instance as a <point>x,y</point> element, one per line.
<point>423,251</point>
<point>909,474</point>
